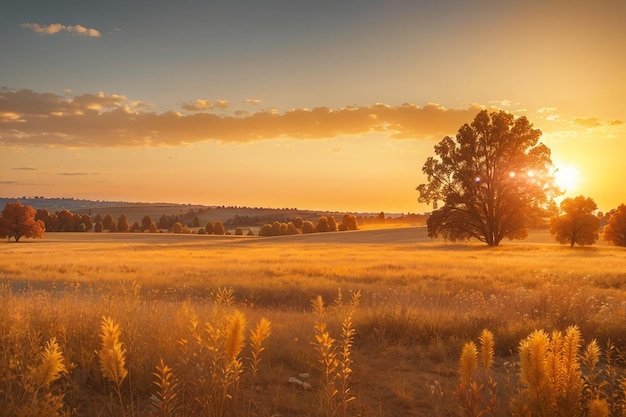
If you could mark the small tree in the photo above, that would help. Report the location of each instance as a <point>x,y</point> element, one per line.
<point>578,224</point>
<point>146,222</point>
<point>177,227</point>
<point>66,221</point>
<point>308,227</point>
<point>349,220</point>
<point>265,230</point>
<point>322,224</point>
<point>332,224</point>
<point>218,228</point>
<point>275,228</point>
<point>615,230</point>
<point>153,227</point>
<point>208,229</point>
<point>98,227</point>
<point>135,227</point>
<point>122,224</point>
<point>108,223</point>
<point>50,220</point>
<point>18,220</point>
<point>86,220</point>
<point>297,222</point>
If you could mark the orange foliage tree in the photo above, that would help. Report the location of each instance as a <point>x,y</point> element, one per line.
<point>18,220</point>
<point>578,224</point>
<point>615,230</point>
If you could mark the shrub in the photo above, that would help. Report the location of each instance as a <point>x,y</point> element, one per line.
<point>322,224</point>
<point>308,227</point>
<point>218,228</point>
<point>265,230</point>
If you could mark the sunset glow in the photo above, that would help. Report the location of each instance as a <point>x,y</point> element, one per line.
<point>298,104</point>
<point>567,178</point>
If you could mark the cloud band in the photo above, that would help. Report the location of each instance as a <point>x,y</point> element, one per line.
<point>57,27</point>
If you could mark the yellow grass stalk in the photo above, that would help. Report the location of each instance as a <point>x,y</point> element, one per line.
<point>234,337</point>
<point>345,355</point>
<point>112,353</point>
<point>50,367</point>
<point>324,345</point>
<point>538,388</point>
<point>257,337</point>
<point>487,346</point>
<point>570,383</point>
<point>166,399</point>
<point>468,362</point>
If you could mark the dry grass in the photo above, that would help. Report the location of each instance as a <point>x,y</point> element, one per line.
<point>420,303</point>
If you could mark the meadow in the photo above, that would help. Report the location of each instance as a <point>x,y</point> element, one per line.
<point>363,323</point>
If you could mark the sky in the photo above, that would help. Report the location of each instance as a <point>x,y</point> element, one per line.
<point>324,105</point>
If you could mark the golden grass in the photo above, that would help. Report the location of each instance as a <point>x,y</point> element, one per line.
<point>420,303</point>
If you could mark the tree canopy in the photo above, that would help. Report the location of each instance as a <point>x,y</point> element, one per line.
<point>577,224</point>
<point>494,179</point>
<point>615,230</point>
<point>17,220</point>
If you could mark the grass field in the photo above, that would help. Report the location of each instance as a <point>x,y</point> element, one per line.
<point>420,302</point>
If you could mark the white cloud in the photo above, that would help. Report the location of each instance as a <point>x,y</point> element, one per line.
<point>58,27</point>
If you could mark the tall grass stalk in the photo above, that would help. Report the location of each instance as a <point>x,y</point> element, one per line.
<point>51,367</point>
<point>165,402</point>
<point>257,337</point>
<point>113,358</point>
<point>324,346</point>
<point>345,355</point>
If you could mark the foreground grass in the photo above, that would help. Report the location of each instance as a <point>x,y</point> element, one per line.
<point>420,303</point>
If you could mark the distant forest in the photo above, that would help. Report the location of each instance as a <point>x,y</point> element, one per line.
<point>72,215</point>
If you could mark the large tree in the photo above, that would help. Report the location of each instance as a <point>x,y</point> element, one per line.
<point>615,229</point>
<point>17,220</point>
<point>494,179</point>
<point>577,224</point>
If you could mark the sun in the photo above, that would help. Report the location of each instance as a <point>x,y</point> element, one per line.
<point>567,177</point>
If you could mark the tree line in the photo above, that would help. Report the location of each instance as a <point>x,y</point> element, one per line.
<point>300,226</point>
<point>18,220</point>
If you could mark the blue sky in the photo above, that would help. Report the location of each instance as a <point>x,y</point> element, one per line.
<point>146,100</point>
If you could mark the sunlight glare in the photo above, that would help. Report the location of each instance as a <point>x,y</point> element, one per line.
<point>567,177</point>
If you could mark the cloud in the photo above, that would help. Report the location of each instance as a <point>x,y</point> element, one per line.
<point>57,27</point>
<point>110,120</point>
<point>199,105</point>
<point>254,101</point>
<point>222,104</point>
<point>77,174</point>
<point>25,169</point>
<point>202,105</point>
<point>587,122</point>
